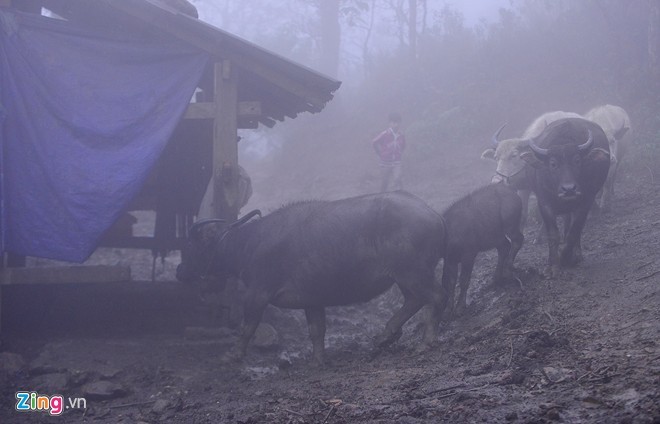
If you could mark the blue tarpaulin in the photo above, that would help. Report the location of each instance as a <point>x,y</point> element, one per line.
<point>86,116</point>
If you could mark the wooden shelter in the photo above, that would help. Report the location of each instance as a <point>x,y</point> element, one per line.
<point>243,86</point>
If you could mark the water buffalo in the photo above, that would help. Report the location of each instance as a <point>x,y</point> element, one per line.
<point>485,219</point>
<point>615,122</point>
<point>539,124</point>
<point>229,300</point>
<point>314,254</point>
<point>506,153</point>
<point>569,164</point>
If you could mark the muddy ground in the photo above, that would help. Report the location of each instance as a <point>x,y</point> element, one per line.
<point>582,348</point>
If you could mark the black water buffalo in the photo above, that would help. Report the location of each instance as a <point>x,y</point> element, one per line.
<point>510,167</point>
<point>314,254</point>
<point>569,164</point>
<point>485,219</point>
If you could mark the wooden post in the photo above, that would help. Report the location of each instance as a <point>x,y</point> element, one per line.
<point>653,38</point>
<point>225,149</point>
<point>225,167</point>
<point>2,283</point>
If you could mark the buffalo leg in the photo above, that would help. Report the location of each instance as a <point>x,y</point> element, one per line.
<point>316,324</point>
<point>449,277</point>
<point>254,307</point>
<point>572,252</point>
<point>517,238</point>
<point>541,231</point>
<point>550,221</point>
<point>467,265</point>
<point>524,196</point>
<point>608,188</point>
<point>503,251</point>
<point>411,304</point>
<point>567,220</point>
<point>433,318</point>
<point>436,300</point>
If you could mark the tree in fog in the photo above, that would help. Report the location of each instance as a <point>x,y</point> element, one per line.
<point>538,55</point>
<point>330,36</point>
<point>654,37</point>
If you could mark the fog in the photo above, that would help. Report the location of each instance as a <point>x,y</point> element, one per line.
<point>464,69</point>
<point>578,347</point>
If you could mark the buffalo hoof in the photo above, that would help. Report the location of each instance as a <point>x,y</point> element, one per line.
<point>232,357</point>
<point>507,278</point>
<point>374,353</point>
<point>318,363</point>
<point>430,340</point>
<point>386,339</point>
<point>318,359</point>
<point>460,310</point>
<point>503,280</point>
<point>551,272</point>
<point>426,346</point>
<point>569,258</point>
<point>448,314</point>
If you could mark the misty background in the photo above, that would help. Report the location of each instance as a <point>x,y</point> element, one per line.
<point>455,70</point>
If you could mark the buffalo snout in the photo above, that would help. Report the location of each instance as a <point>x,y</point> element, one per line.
<point>569,190</point>
<point>182,273</point>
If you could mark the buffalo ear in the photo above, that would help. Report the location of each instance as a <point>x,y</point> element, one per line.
<point>530,158</point>
<point>488,154</point>
<point>620,133</point>
<point>598,154</point>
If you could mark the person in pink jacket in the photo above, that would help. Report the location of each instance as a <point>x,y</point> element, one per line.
<point>389,146</point>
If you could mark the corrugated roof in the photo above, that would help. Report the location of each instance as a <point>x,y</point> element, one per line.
<point>283,87</point>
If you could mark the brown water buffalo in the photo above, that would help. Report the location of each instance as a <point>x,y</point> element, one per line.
<point>568,165</point>
<point>615,122</point>
<point>485,219</point>
<point>314,254</point>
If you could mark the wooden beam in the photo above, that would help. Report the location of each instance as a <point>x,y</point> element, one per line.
<point>200,111</point>
<point>270,123</point>
<point>250,109</point>
<point>66,274</point>
<point>248,124</point>
<point>149,243</point>
<point>207,110</point>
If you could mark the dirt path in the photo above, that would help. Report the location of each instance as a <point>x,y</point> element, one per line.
<point>579,349</point>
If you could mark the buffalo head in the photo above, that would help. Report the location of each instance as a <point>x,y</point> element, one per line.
<point>197,255</point>
<point>507,155</point>
<point>562,164</point>
<point>201,258</point>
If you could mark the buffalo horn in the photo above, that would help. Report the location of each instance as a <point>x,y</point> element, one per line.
<point>201,222</point>
<point>246,218</point>
<point>494,140</point>
<point>536,149</point>
<point>587,144</point>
